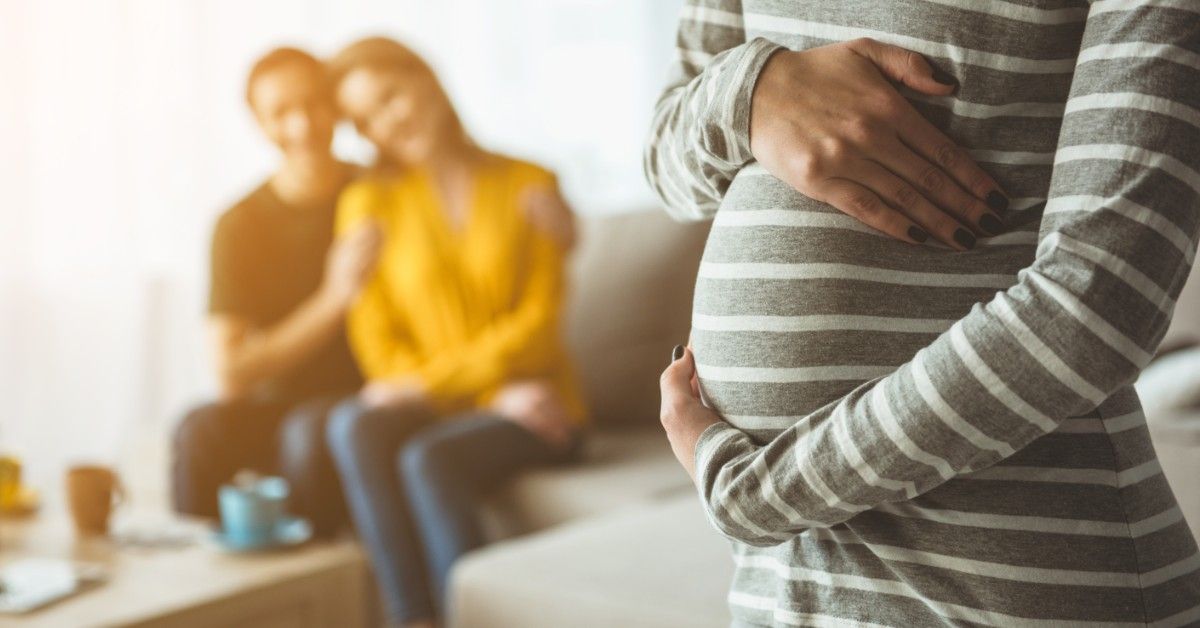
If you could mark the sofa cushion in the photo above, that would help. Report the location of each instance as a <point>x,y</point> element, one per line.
<point>1176,438</point>
<point>630,302</point>
<point>1185,323</point>
<point>656,566</point>
<point>620,467</point>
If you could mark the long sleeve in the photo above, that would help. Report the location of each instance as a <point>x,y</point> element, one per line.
<point>701,129</point>
<point>1115,245</point>
<point>380,344</point>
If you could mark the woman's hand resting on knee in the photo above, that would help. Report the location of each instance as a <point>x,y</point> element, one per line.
<point>536,406</point>
<point>394,393</point>
<point>828,122</point>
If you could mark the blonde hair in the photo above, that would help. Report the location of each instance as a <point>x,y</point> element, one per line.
<point>388,55</point>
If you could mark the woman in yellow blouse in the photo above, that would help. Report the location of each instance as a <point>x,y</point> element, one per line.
<point>457,332</point>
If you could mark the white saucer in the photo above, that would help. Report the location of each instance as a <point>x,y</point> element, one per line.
<point>289,532</point>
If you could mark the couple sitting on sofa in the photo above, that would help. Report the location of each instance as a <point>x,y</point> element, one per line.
<point>396,329</point>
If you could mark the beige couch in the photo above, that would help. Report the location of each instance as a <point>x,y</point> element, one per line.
<point>620,540</point>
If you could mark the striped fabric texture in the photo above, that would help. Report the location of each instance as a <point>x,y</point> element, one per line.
<point>916,436</point>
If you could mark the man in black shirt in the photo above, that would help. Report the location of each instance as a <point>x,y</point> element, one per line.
<point>280,289</point>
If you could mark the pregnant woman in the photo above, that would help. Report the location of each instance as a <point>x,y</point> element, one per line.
<point>922,305</point>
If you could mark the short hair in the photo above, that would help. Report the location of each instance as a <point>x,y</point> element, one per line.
<point>282,57</point>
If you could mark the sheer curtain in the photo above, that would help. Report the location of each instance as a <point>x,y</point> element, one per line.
<point>123,134</point>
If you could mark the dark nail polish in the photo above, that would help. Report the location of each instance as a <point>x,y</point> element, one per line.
<point>677,353</point>
<point>943,77</point>
<point>964,237</point>
<point>997,201</point>
<point>991,224</point>
<point>917,233</point>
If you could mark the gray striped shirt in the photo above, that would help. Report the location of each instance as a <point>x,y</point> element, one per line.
<point>917,436</point>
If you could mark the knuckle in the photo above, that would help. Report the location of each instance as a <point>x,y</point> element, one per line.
<point>913,61</point>
<point>907,197</point>
<point>889,105</point>
<point>834,151</point>
<point>931,179</point>
<point>979,184</point>
<point>806,167</point>
<point>862,202</point>
<point>862,41</point>
<point>947,155</point>
<point>860,130</point>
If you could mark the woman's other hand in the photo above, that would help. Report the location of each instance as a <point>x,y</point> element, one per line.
<point>828,122</point>
<point>350,261</point>
<point>683,415</point>
<point>536,406</point>
<point>393,393</point>
<point>546,208</point>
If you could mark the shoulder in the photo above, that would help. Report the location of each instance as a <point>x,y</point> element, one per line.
<point>244,216</point>
<point>370,196</point>
<point>367,189</point>
<point>365,195</point>
<point>522,172</point>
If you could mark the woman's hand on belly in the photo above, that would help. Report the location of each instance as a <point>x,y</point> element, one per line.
<point>827,122</point>
<point>683,415</point>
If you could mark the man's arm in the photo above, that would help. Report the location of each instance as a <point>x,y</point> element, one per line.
<point>247,355</point>
<point>701,129</point>
<point>1116,244</point>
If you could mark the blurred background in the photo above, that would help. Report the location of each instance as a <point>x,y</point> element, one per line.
<point>124,134</point>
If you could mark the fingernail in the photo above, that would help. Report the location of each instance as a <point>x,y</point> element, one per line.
<point>964,237</point>
<point>997,201</point>
<point>918,234</point>
<point>677,353</point>
<point>943,77</point>
<point>991,224</point>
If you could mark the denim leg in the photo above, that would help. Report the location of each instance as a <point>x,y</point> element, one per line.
<point>364,443</point>
<point>213,442</point>
<point>448,467</point>
<point>305,461</point>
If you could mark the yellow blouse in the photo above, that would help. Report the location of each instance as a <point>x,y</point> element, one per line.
<point>468,310</point>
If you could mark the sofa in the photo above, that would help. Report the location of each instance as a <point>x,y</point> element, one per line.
<point>620,539</point>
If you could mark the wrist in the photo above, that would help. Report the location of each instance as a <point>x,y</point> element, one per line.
<point>758,53</point>
<point>332,297</point>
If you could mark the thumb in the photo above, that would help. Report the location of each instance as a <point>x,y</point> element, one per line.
<point>906,67</point>
<point>676,380</point>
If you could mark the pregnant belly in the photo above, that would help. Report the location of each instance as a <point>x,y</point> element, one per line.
<point>796,303</point>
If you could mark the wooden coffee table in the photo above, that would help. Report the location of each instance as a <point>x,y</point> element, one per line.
<point>322,584</point>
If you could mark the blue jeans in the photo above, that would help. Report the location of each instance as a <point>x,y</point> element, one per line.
<point>413,484</point>
<point>216,440</point>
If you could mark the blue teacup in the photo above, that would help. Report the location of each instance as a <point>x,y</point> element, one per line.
<point>251,512</point>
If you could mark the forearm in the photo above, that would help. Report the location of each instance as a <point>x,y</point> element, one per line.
<point>261,355</point>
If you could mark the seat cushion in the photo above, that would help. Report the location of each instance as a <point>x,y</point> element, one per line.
<point>619,468</point>
<point>1176,438</point>
<point>656,566</point>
